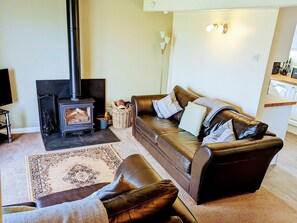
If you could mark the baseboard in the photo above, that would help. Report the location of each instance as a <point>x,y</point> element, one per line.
<point>292,129</point>
<point>25,130</point>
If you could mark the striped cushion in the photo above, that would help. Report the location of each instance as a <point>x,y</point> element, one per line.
<point>167,106</point>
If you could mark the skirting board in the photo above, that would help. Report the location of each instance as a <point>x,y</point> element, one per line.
<point>25,130</point>
<point>292,129</point>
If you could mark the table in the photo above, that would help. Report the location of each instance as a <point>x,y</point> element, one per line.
<point>6,124</point>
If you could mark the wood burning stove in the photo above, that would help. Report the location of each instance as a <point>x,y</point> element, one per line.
<point>75,110</point>
<point>75,115</point>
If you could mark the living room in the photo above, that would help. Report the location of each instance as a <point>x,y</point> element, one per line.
<point>120,42</point>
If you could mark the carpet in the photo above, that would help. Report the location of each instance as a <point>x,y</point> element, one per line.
<point>259,207</point>
<point>55,141</point>
<point>58,171</point>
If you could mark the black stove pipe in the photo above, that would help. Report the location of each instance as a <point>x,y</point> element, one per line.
<point>74,48</point>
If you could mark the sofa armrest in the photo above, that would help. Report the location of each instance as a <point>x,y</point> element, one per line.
<point>220,168</point>
<point>144,105</point>
<point>29,204</point>
<point>67,195</point>
<point>140,173</point>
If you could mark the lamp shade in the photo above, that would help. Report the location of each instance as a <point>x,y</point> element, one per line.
<point>221,28</point>
<point>209,28</point>
<point>167,39</point>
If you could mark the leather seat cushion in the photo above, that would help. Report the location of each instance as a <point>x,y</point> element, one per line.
<point>152,126</point>
<point>180,147</point>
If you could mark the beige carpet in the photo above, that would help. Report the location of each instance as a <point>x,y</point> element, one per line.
<point>57,171</point>
<point>261,206</point>
<point>258,207</point>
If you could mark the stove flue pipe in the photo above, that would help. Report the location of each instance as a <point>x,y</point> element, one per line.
<point>74,48</point>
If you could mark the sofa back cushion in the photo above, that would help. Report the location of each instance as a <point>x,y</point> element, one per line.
<point>183,97</point>
<point>244,127</point>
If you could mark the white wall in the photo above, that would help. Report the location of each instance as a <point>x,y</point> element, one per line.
<point>223,66</point>
<point>33,46</point>
<point>119,42</point>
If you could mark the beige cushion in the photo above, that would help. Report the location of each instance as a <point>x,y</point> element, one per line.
<point>192,118</point>
<point>166,106</point>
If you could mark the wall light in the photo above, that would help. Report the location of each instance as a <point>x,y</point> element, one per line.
<point>222,28</point>
<point>164,41</point>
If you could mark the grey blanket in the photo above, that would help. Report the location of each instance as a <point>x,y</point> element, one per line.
<point>215,107</point>
<point>88,210</point>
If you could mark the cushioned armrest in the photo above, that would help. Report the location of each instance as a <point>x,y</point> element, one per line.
<point>242,161</point>
<point>245,145</point>
<point>141,202</point>
<point>67,195</point>
<point>29,204</point>
<point>140,173</point>
<point>144,105</point>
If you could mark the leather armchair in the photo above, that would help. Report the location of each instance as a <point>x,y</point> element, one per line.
<point>137,171</point>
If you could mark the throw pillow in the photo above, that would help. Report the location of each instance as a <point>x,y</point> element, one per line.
<point>142,202</point>
<point>119,186</point>
<point>192,118</point>
<point>166,106</point>
<point>13,209</point>
<point>224,133</point>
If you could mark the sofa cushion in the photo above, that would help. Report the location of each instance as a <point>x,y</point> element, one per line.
<point>192,118</point>
<point>152,126</point>
<point>166,106</point>
<point>183,96</point>
<point>142,202</point>
<point>119,186</point>
<point>224,133</point>
<point>243,126</point>
<point>179,147</point>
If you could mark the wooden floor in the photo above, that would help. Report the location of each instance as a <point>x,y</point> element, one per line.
<point>281,178</point>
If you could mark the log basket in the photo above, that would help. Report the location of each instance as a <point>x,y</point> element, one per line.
<point>121,117</point>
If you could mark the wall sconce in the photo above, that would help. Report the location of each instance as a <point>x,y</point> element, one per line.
<point>164,41</point>
<point>222,28</point>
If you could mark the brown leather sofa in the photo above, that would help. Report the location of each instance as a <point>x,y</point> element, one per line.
<point>214,170</point>
<point>137,171</point>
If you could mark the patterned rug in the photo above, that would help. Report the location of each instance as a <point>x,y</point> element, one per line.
<point>57,171</point>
